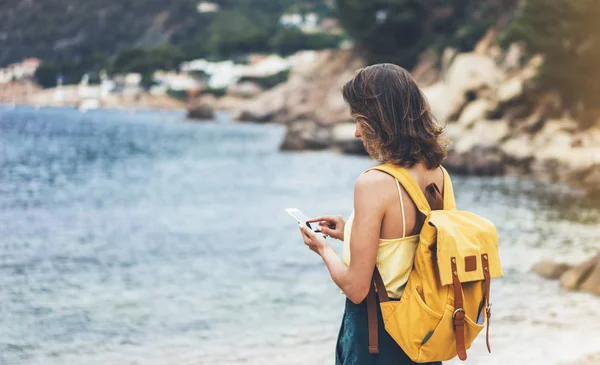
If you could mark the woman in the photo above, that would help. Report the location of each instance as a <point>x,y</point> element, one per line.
<point>396,126</point>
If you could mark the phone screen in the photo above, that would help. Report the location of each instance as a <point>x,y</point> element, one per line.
<point>302,218</point>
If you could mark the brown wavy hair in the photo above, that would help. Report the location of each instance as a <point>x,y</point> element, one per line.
<point>395,118</point>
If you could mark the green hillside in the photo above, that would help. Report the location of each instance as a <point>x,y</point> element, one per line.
<point>61,30</point>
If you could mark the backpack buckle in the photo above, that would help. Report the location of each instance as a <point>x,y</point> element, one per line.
<point>457,311</point>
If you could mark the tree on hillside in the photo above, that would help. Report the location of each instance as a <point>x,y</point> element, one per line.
<point>53,30</point>
<point>400,30</point>
<point>567,34</point>
<point>234,32</point>
<point>145,61</point>
<point>290,40</point>
<point>70,70</point>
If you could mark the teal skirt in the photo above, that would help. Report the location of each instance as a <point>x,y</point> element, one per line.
<point>352,346</point>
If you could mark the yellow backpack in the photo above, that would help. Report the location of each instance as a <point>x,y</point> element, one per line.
<point>449,286</point>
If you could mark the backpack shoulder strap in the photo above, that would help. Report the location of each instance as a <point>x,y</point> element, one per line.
<point>409,184</point>
<point>449,202</point>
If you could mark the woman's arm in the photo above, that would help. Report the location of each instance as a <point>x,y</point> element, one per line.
<point>369,209</point>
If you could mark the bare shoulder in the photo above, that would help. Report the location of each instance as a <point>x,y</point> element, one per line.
<point>373,179</point>
<point>373,183</point>
<point>371,197</point>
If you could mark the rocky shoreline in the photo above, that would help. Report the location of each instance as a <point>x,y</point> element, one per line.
<point>496,125</point>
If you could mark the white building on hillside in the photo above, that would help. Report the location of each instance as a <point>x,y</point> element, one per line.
<point>311,23</point>
<point>19,71</point>
<point>227,73</point>
<point>6,75</point>
<point>29,66</point>
<point>207,7</point>
<point>291,20</point>
<point>175,81</point>
<point>308,23</point>
<point>222,74</point>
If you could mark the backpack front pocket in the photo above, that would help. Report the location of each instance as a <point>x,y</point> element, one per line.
<point>442,343</point>
<point>414,314</point>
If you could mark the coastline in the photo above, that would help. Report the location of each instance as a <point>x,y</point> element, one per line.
<point>496,124</point>
<point>132,108</point>
<point>73,96</point>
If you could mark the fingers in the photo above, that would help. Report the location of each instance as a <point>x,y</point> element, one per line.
<point>324,218</point>
<point>328,231</point>
<point>306,232</point>
<point>307,236</point>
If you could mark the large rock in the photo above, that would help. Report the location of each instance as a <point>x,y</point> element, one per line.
<point>478,161</point>
<point>585,276</point>
<point>550,270</point>
<point>203,111</point>
<point>485,133</point>
<point>475,150</point>
<point>263,108</point>
<point>592,282</point>
<point>560,155</point>
<point>230,102</point>
<point>468,73</point>
<point>467,77</point>
<point>476,111</point>
<point>246,89</point>
<point>518,154</point>
<point>438,100</point>
<point>306,135</point>
<point>518,148</point>
<point>592,181</point>
<point>574,277</point>
<point>511,89</point>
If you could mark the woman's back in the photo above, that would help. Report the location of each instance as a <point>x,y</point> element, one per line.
<point>399,229</point>
<point>392,226</point>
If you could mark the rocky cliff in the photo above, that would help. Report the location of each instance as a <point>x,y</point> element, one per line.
<point>496,123</point>
<point>310,103</point>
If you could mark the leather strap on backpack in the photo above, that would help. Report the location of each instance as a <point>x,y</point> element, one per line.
<point>459,313</point>
<point>377,283</point>
<point>486,292</point>
<point>434,197</point>
<point>372,320</point>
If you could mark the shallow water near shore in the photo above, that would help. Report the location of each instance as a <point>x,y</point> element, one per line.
<point>141,239</point>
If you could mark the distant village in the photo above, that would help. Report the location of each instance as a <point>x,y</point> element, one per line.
<point>17,81</point>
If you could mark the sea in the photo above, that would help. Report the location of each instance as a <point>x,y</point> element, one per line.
<point>142,238</point>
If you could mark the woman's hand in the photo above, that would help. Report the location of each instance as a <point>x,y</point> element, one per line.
<point>316,242</point>
<point>331,226</point>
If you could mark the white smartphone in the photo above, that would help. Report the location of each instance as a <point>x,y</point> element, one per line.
<point>302,218</point>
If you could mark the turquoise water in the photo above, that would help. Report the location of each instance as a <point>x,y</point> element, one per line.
<point>142,239</point>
